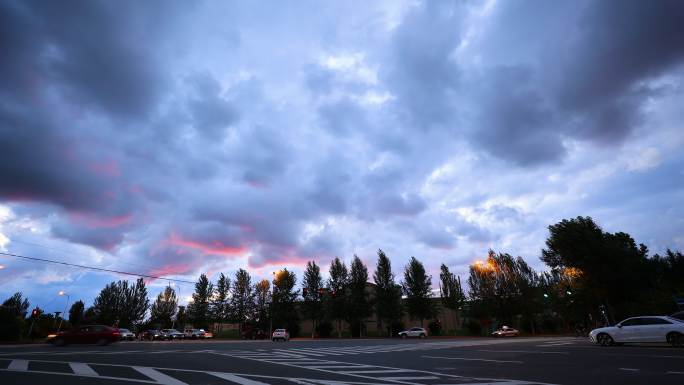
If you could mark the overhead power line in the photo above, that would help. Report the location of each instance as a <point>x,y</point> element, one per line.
<point>94,268</point>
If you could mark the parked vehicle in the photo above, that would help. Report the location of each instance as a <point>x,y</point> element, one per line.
<point>127,334</point>
<point>506,331</point>
<point>280,335</point>
<point>173,334</point>
<point>90,334</point>
<point>153,335</point>
<point>194,333</point>
<point>414,332</point>
<point>641,329</point>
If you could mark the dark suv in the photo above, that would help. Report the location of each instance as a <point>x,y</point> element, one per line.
<point>153,335</point>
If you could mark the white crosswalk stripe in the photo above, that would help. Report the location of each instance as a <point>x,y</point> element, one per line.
<point>158,376</point>
<point>82,369</point>
<point>21,365</point>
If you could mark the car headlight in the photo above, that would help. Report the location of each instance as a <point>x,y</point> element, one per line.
<point>52,335</point>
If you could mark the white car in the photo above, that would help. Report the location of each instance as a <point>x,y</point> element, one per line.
<point>126,334</point>
<point>414,332</point>
<point>280,334</point>
<point>506,332</point>
<point>641,329</point>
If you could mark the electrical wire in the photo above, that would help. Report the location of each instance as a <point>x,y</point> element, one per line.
<point>95,268</point>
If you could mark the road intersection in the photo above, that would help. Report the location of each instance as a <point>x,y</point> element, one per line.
<point>543,360</point>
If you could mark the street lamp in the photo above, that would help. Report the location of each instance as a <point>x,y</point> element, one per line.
<point>2,267</point>
<point>63,293</point>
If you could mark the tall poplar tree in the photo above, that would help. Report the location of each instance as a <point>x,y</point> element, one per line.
<point>198,309</point>
<point>388,306</point>
<point>313,301</point>
<point>417,288</point>
<point>358,302</point>
<point>337,288</point>
<point>219,305</point>
<point>450,290</point>
<point>242,299</point>
<point>164,307</point>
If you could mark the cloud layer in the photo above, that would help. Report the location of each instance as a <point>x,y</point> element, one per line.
<point>201,138</point>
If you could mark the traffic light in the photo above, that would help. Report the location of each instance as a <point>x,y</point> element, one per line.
<point>36,313</point>
<point>305,292</point>
<point>321,291</point>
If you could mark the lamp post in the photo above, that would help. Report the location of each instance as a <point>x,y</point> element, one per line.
<point>63,293</point>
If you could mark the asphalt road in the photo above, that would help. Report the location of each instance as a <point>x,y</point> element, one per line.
<point>555,360</point>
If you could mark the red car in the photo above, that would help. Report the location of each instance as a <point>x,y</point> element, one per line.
<point>90,334</point>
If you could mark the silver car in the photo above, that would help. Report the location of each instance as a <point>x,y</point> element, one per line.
<point>126,334</point>
<point>506,331</point>
<point>639,330</point>
<point>414,332</point>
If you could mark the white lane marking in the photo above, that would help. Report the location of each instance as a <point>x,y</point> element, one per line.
<point>21,365</point>
<point>522,351</point>
<point>82,369</point>
<point>76,375</point>
<point>673,372</point>
<point>351,366</point>
<point>415,378</point>
<point>377,371</point>
<point>629,369</point>
<point>474,359</point>
<point>236,379</point>
<point>158,376</point>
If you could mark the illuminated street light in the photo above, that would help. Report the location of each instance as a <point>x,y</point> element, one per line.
<point>63,293</point>
<point>2,267</point>
<point>546,295</point>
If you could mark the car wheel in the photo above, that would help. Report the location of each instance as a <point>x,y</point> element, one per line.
<point>60,342</point>
<point>422,335</point>
<point>403,336</point>
<point>676,339</point>
<point>102,342</point>
<point>604,339</point>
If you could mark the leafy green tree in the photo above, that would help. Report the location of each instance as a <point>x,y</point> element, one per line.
<point>262,304</point>
<point>121,303</point>
<point>417,288</point>
<point>337,293</point>
<point>108,303</point>
<point>358,305</point>
<point>609,267</point>
<point>220,302</point>
<point>164,307</point>
<point>135,303</point>
<point>284,298</point>
<point>451,290</point>
<point>12,314</point>
<point>242,300</point>
<point>388,306</point>
<point>313,298</point>
<point>76,313</point>
<point>198,309</point>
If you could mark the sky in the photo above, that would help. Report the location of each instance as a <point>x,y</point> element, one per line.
<point>175,138</point>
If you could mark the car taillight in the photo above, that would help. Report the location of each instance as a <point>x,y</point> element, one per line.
<point>116,333</point>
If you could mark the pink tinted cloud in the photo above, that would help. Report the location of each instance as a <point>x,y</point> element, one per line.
<point>206,248</point>
<point>109,168</point>
<point>97,222</point>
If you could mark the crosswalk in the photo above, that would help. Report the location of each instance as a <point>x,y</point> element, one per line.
<point>299,352</point>
<point>307,359</point>
<point>159,376</point>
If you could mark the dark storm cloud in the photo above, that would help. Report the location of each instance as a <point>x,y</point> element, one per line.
<point>211,112</point>
<point>575,70</point>
<point>422,73</point>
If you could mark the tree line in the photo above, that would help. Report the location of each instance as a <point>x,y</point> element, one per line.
<point>594,277</point>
